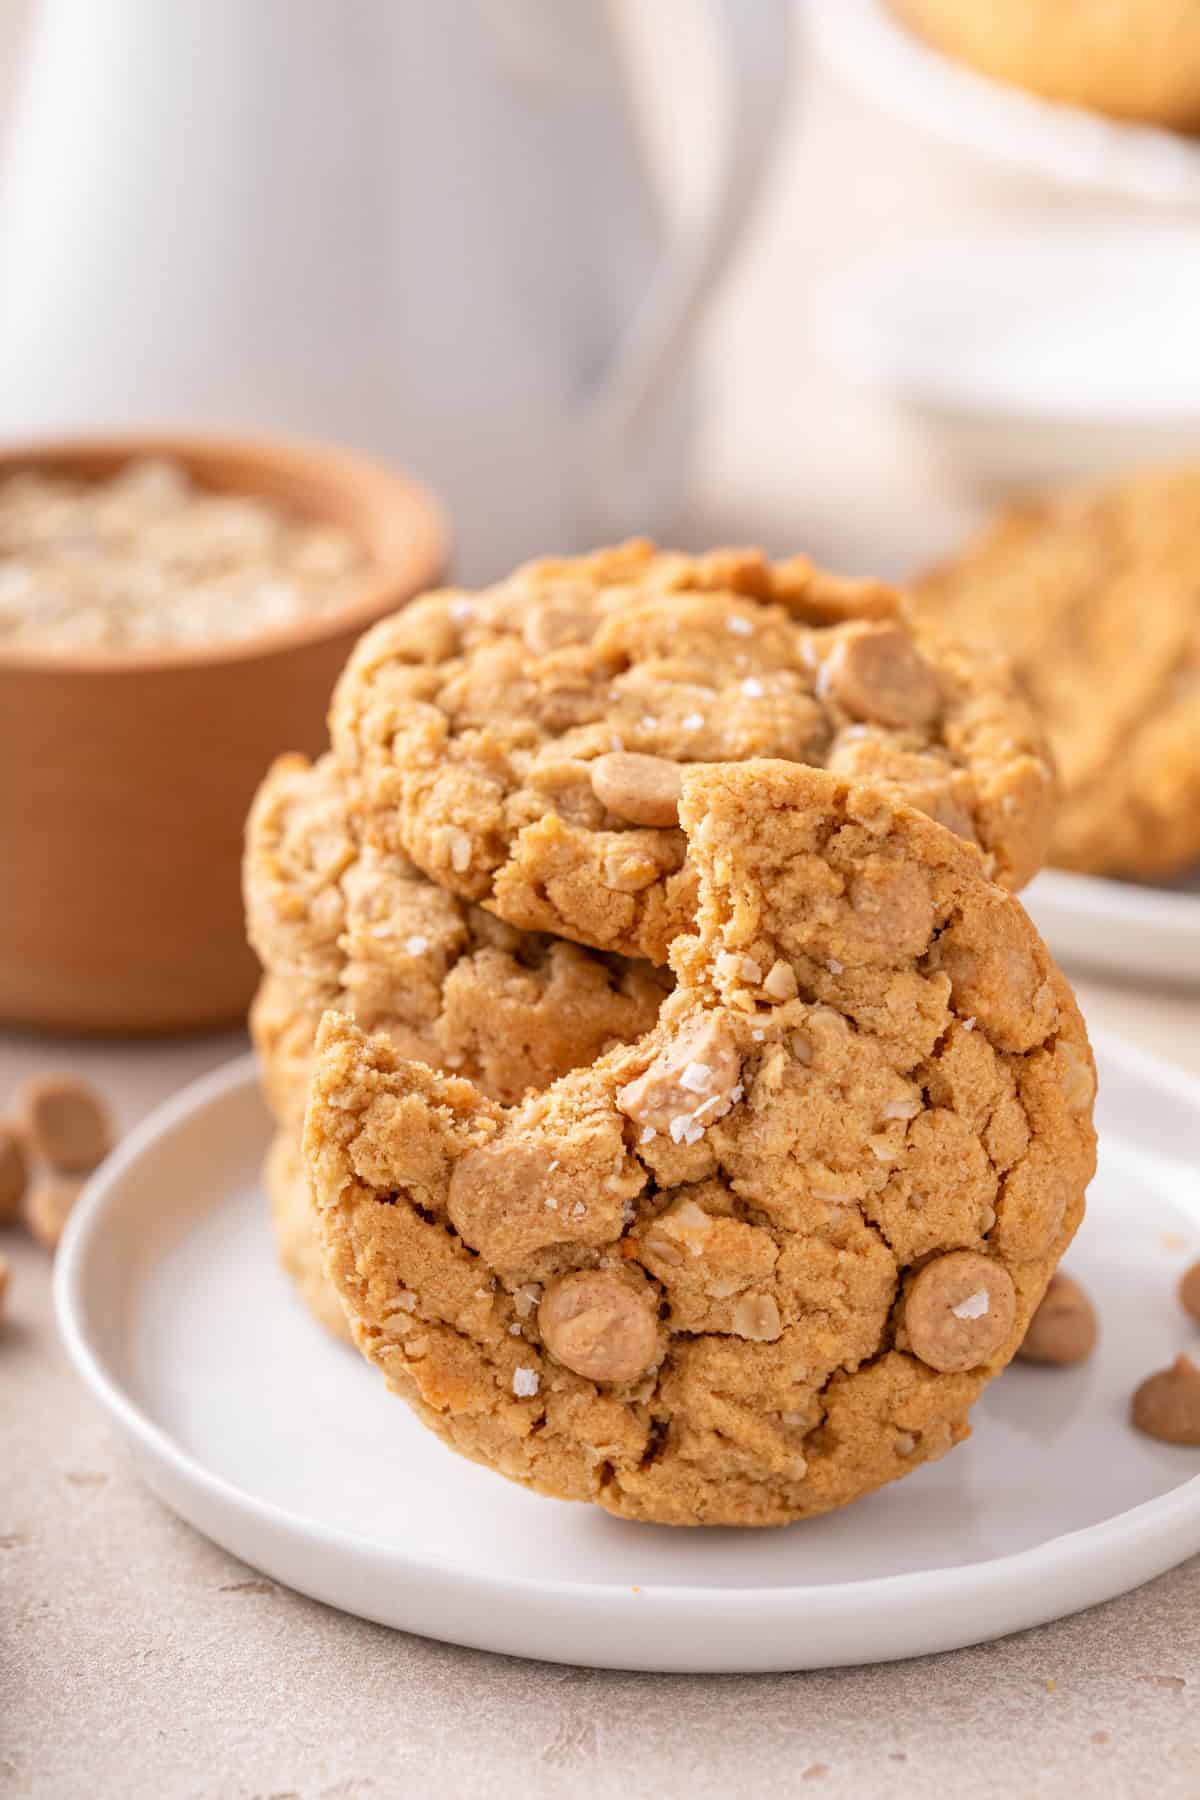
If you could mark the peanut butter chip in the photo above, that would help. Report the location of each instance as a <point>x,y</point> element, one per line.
<point>1063,1329</point>
<point>14,1173</point>
<point>1189,1291</point>
<point>599,1325</point>
<point>1167,1405</point>
<point>642,789</point>
<point>959,1310</point>
<point>48,1207</point>
<point>689,1084</point>
<point>876,673</point>
<point>68,1123</point>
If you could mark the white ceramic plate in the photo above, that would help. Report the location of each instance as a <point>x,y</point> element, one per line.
<point>1029,354</point>
<point>283,1447</point>
<point>875,53</point>
<point>1120,927</point>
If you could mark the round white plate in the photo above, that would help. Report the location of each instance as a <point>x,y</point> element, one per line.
<point>873,52</point>
<point>1120,927</point>
<point>283,1447</point>
<point>1019,371</point>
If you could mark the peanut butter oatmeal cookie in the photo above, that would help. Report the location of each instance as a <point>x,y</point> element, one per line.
<point>764,1260</point>
<point>368,933</point>
<point>525,745</point>
<point>1096,596</point>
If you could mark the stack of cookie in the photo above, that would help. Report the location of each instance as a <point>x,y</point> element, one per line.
<point>694,1118</point>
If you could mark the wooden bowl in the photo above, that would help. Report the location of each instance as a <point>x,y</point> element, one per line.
<point>125,779</point>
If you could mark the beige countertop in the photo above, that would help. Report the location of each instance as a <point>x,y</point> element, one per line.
<point>137,1659</point>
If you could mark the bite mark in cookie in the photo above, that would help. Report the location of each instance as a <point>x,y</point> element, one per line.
<point>341,925</point>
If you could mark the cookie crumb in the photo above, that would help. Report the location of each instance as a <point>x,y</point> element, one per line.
<point>780,983</point>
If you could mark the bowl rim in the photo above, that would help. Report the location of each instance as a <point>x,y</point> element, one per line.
<point>410,558</point>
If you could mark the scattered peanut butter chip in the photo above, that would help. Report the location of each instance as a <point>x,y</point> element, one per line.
<point>959,1310</point>
<point>1189,1291</point>
<point>876,673</point>
<point>642,789</point>
<point>600,1325</point>
<point>68,1122</point>
<point>1167,1405</point>
<point>14,1173</point>
<point>1063,1329</point>
<point>48,1207</point>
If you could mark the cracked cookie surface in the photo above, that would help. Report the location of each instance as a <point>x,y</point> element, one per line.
<point>525,745</point>
<point>1096,596</point>
<point>366,932</point>
<point>764,1260</point>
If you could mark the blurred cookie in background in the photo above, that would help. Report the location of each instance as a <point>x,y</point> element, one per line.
<point>1136,60</point>
<point>1095,594</point>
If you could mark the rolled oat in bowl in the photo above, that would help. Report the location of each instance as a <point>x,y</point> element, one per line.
<point>150,558</point>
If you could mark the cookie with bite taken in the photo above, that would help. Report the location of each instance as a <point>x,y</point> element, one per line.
<point>764,1259</point>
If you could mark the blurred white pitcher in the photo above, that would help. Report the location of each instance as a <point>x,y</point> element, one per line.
<point>425,229</point>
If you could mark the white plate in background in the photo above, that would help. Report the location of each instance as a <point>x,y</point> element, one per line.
<point>1029,355</point>
<point>283,1447</point>
<point>875,53</point>
<point>1120,928</point>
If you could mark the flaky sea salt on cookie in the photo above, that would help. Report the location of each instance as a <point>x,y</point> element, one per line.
<point>525,745</point>
<point>765,1259</point>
